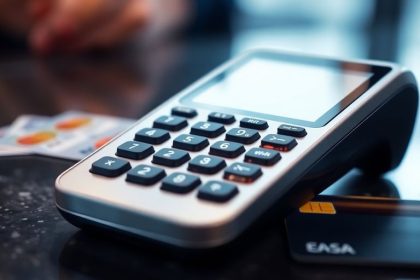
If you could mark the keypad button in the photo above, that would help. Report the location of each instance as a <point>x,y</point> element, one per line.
<point>145,175</point>
<point>207,129</point>
<point>226,149</point>
<point>170,157</point>
<point>291,130</point>
<point>217,191</point>
<point>221,118</point>
<point>242,135</point>
<point>206,164</point>
<point>134,150</point>
<point>242,172</point>
<point>152,135</point>
<point>171,123</point>
<point>278,142</point>
<point>254,123</point>
<point>184,112</point>
<point>262,156</point>
<point>110,166</point>
<point>180,183</point>
<point>190,142</point>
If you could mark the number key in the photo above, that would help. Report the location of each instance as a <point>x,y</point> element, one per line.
<point>145,175</point>
<point>226,149</point>
<point>190,142</point>
<point>171,123</point>
<point>152,135</point>
<point>134,150</point>
<point>180,183</point>
<point>170,157</point>
<point>242,135</point>
<point>206,164</point>
<point>207,129</point>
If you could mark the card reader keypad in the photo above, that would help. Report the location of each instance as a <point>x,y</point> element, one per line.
<point>209,156</point>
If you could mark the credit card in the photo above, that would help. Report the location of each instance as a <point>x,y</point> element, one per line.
<point>71,135</point>
<point>356,230</point>
<point>79,134</point>
<point>27,123</point>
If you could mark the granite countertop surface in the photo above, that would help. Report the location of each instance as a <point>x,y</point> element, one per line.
<point>37,243</point>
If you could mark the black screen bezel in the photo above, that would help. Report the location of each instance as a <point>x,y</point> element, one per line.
<point>378,72</point>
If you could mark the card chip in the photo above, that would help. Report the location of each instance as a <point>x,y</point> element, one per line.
<point>315,207</point>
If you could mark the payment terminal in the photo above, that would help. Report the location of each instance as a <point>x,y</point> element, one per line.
<point>265,128</point>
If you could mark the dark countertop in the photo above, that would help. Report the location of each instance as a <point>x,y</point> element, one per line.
<point>37,243</point>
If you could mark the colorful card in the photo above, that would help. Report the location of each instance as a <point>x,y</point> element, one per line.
<point>71,135</point>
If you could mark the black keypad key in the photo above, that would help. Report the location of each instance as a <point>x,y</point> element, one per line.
<point>278,142</point>
<point>217,191</point>
<point>254,123</point>
<point>184,112</point>
<point>221,118</point>
<point>152,135</point>
<point>291,130</point>
<point>242,172</point>
<point>134,150</point>
<point>207,129</point>
<point>110,166</point>
<point>226,149</point>
<point>171,123</point>
<point>262,156</point>
<point>206,164</point>
<point>190,142</point>
<point>242,135</point>
<point>170,157</point>
<point>145,175</point>
<point>180,183</point>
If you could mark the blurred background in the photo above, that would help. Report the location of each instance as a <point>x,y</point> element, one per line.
<point>134,75</point>
<point>129,78</point>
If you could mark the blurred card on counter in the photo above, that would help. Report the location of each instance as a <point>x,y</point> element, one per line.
<point>70,135</point>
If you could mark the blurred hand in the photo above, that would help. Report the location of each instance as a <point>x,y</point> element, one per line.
<point>73,25</point>
<point>77,25</point>
<point>15,15</point>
